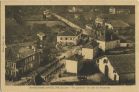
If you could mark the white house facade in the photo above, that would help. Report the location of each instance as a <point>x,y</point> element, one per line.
<point>69,36</point>
<point>117,67</point>
<point>89,53</point>
<point>90,50</point>
<point>107,69</point>
<point>107,45</point>
<point>71,66</point>
<point>68,39</point>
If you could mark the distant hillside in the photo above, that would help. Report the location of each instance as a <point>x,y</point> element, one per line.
<point>129,18</point>
<point>16,33</point>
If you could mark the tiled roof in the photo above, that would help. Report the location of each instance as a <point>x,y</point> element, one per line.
<point>11,53</point>
<point>124,63</point>
<point>75,57</point>
<point>68,32</point>
<point>25,51</point>
<point>118,23</point>
<point>91,44</point>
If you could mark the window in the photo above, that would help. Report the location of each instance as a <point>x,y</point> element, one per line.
<point>70,38</point>
<point>97,61</point>
<point>60,38</point>
<point>66,38</point>
<point>14,65</point>
<point>29,59</point>
<point>33,57</point>
<point>105,61</point>
<point>114,71</point>
<point>11,72</point>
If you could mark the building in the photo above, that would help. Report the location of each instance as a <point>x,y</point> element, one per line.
<point>99,21</point>
<point>41,35</point>
<point>107,40</point>
<point>74,9</point>
<point>120,68</point>
<point>90,50</point>
<point>111,23</point>
<point>46,14</point>
<point>21,60</point>
<point>114,10</point>
<point>69,37</point>
<point>127,43</point>
<point>102,21</point>
<point>73,64</point>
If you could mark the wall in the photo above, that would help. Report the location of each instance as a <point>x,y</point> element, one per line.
<point>126,44</point>
<point>71,66</point>
<point>101,66</point>
<point>87,53</point>
<point>109,44</point>
<point>99,21</point>
<point>109,25</point>
<point>112,44</point>
<point>74,39</point>
<point>24,65</point>
<point>95,52</point>
<point>101,44</point>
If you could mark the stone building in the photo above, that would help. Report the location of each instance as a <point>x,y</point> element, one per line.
<point>21,60</point>
<point>120,68</point>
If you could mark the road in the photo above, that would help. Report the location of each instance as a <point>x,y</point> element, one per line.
<point>68,22</point>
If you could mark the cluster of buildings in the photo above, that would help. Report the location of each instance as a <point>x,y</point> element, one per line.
<point>109,10</point>
<point>113,10</point>
<point>20,60</point>
<point>117,67</point>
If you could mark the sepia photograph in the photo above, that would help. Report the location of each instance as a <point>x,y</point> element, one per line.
<point>70,45</point>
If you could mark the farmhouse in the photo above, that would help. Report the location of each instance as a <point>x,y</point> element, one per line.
<point>90,50</point>
<point>119,68</point>
<point>73,64</point>
<point>69,37</point>
<point>21,60</point>
<point>107,40</point>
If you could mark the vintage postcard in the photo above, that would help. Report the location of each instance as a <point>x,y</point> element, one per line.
<point>69,46</point>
